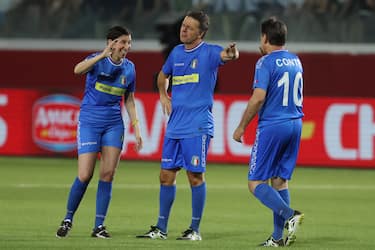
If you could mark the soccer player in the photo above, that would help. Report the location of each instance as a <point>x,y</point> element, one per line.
<point>277,98</point>
<point>192,68</point>
<point>109,77</point>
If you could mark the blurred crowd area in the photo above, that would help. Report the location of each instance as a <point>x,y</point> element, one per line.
<point>342,21</point>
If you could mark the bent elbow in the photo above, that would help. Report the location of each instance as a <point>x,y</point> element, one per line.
<point>260,102</point>
<point>77,71</point>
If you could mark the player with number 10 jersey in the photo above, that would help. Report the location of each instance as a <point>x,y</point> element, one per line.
<point>280,75</point>
<point>277,99</point>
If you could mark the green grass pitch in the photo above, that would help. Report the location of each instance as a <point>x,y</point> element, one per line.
<point>339,207</point>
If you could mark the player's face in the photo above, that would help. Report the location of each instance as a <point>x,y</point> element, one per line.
<point>190,33</point>
<point>121,47</point>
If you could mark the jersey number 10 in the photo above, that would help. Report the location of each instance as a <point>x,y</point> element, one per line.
<point>297,88</point>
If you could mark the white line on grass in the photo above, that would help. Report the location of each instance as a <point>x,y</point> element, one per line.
<point>209,186</point>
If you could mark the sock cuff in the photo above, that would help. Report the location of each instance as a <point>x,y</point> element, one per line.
<point>167,186</point>
<point>105,182</point>
<point>104,185</point>
<point>81,182</point>
<point>283,191</point>
<point>203,185</point>
<point>261,189</point>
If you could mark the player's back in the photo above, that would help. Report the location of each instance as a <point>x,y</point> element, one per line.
<point>280,74</point>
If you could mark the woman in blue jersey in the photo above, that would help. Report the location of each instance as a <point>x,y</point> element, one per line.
<point>191,68</point>
<point>109,78</point>
<point>277,98</point>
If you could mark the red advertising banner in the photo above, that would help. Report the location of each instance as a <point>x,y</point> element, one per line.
<point>33,122</point>
<point>338,132</point>
<point>15,121</point>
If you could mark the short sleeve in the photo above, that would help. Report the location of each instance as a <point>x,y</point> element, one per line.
<point>262,74</point>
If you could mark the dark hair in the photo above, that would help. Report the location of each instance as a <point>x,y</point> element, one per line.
<point>202,18</point>
<point>275,31</point>
<point>116,32</point>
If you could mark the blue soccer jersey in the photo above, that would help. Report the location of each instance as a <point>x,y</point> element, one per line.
<point>280,75</point>
<point>193,76</point>
<point>106,83</point>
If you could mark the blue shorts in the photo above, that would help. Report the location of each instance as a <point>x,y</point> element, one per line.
<point>92,138</point>
<point>187,153</point>
<point>275,151</point>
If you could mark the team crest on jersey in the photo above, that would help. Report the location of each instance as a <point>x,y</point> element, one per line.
<point>194,64</point>
<point>122,80</point>
<point>195,160</point>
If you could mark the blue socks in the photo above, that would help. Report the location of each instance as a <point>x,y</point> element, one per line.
<point>198,199</point>
<point>278,221</point>
<point>103,197</point>
<point>166,197</point>
<point>272,199</point>
<point>77,191</point>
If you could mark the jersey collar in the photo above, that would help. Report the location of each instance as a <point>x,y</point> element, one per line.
<point>279,50</point>
<point>195,48</point>
<point>113,63</point>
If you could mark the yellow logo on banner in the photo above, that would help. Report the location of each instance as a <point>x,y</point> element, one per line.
<point>307,130</point>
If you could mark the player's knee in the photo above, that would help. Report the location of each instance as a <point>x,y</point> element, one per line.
<point>279,183</point>
<point>167,178</point>
<point>195,179</point>
<point>166,181</point>
<point>107,175</point>
<point>252,185</point>
<point>84,177</point>
<point>195,183</point>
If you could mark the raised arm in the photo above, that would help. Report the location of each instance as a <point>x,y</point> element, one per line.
<point>86,65</point>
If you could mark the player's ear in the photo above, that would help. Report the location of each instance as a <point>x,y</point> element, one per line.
<point>264,38</point>
<point>202,34</point>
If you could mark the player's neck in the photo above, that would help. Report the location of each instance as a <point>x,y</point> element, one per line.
<point>195,43</point>
<point>116,60</point>
<point>272,48</point>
